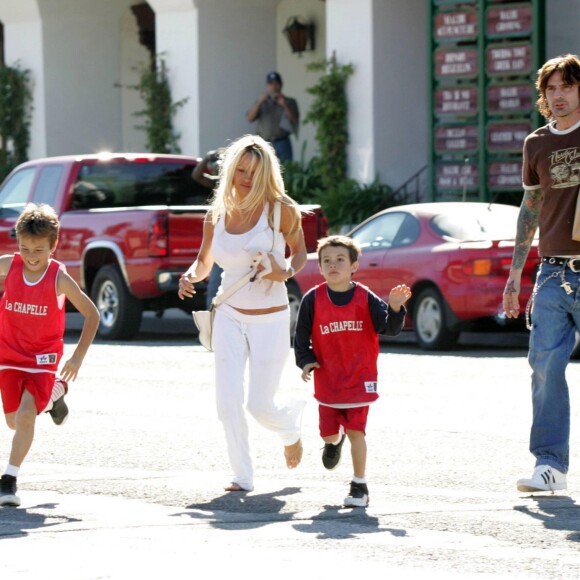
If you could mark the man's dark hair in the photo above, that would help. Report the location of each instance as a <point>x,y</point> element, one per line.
<point>568,65</point>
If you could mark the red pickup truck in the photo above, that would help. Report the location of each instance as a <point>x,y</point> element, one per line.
<point>131,224</point>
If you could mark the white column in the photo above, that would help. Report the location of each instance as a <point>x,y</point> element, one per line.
<point>350,36</point>
<point>23,46</point>
<point>177,34</point>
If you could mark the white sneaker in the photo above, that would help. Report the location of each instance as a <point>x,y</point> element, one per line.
<point>544,478</point>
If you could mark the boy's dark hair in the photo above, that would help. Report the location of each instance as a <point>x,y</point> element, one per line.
<point>568,65</point>
<point>354,250</point>
<point>38,221</point>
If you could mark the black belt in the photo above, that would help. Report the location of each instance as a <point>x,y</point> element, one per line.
<point>572,263</point>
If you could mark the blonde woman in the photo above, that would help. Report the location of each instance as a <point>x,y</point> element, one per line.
<point>251,328</point>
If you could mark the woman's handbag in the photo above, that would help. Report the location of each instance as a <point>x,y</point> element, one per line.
<point>203,319</point>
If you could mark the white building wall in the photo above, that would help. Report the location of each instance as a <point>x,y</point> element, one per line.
<point>82,66</point>
<point>177,42</point>
<point>400,73</point>
<point>23,46</point>
<point>297,79</point>
<point>237,50</point>
<point>134,57</point>
<point>562,24</point>
<point>350,38</point>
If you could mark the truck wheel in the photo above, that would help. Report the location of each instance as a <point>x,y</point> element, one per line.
<point>429,322</point>
<point>120,311</point>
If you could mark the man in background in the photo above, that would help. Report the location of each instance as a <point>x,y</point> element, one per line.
<point>277,117</point>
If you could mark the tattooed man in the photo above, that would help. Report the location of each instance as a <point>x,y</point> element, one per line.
<point>551,182</point>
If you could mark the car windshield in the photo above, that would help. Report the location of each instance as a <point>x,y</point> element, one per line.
<point>481,223</point>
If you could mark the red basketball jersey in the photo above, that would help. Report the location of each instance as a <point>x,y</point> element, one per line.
<point>346,346</point>
<point>32,319</point>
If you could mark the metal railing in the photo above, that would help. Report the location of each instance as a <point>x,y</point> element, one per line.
<point>415,189</point>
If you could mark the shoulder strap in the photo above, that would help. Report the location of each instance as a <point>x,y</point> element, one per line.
<point>233,288</point>
<point>277,217</point>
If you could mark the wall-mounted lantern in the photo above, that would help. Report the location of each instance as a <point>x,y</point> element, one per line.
<point>300,34</point>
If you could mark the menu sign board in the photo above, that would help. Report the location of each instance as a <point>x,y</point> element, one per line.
<point>457,100</point>
<point>456,139</point>
<point>510,98</point>
<point>509,21</point>
<point>453,1</point>
<point>456,63</point>
<point>507,137</point>
<point>456,176</point>
<point>456,25</point>
<point>509,59</point>
<point>504,175</point>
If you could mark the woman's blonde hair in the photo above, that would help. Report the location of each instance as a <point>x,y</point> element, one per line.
<point>267,185</point>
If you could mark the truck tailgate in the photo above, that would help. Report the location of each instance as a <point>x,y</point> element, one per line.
<point>185,231</point>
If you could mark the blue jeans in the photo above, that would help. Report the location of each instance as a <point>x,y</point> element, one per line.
<point>283,148</point>
<point>555,317</point>
<point>213,284</point>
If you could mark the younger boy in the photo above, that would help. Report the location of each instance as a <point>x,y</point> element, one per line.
<point>32,324</point>
<point>337,336</point>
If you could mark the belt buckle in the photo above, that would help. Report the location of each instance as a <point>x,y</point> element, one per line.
<point>572,267</point>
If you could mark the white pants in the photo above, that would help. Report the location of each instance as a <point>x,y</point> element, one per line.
<point>262,343</point>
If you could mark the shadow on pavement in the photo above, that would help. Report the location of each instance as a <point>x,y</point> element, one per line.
<point>557,512</point>
<point>337,523</point>
<point>244,510</point>
<point>251,511</point>
<point>18,522</point>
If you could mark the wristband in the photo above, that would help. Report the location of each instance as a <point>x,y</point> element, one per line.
<point>292,272</point>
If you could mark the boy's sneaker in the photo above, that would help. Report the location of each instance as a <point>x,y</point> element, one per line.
<point>59,411</point>
<point>8,495</point>
<point>358,496</point>
<point>331,454</point>
<point>544,478</point>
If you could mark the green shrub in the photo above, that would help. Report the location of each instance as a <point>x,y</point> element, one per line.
<point>159,108</point>
<point>15,117</point>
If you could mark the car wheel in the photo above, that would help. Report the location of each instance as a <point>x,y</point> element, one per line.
<point>120,311</point>
<point>429,322</point>
<point>294,299</point>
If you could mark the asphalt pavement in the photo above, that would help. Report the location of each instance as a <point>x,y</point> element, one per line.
<point>131,486</point>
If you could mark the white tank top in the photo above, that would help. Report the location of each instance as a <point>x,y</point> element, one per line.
<point>234,252</point>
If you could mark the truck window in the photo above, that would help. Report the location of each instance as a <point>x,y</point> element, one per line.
<point>47,184</point>
<point>136,184</point>
<point>15,191</point>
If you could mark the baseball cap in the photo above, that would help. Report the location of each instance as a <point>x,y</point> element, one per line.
<point>273,76</point>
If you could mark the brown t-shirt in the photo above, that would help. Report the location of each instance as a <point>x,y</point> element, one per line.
<point>552,163</point>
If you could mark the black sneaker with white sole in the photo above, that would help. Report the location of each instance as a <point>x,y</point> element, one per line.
<point>358,496</point>
<point>331,454</point>
<point>59,411</point>
<point>8,489</point>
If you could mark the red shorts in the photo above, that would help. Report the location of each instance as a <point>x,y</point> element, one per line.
<point>353,419</point>
<point>14,382</point>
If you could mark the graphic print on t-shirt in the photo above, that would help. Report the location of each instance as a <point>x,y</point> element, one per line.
<point>565,167</point>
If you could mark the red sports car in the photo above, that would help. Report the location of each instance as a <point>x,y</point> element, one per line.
<point>455,256</point>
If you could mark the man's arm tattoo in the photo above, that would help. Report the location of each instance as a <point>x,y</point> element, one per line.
<point>526,227</point>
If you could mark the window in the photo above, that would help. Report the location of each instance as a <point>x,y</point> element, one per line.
<point>380,232</point>
<point>47,185</point>
<point>16,191</point>
<point>488,222</point>
<point>137,184</point>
